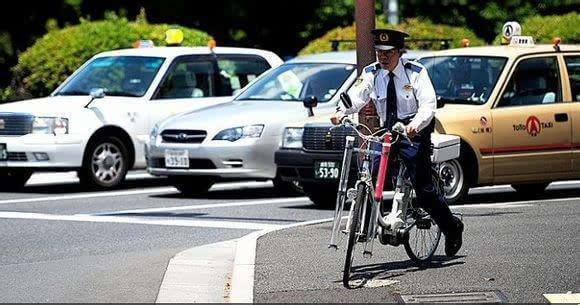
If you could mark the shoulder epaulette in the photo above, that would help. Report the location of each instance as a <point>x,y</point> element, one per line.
<point>413,67</point>
<point>372,68</point>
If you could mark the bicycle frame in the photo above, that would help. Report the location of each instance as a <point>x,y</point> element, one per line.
<point>394,220</point>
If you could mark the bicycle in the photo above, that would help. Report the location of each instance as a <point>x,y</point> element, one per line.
<point>405,224</point>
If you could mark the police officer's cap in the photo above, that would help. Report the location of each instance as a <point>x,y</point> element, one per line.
<point>388,39</point>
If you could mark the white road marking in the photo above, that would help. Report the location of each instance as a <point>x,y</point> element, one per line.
<point>91,195</point>
<point>205,206</point>
<point>563,297</point>
<point>135,220</point>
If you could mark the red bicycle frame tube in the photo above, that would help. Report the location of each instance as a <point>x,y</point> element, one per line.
<point>383,168</point>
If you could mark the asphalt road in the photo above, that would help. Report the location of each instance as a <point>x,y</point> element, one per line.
<point>63,244</point>
<point>513,251</point>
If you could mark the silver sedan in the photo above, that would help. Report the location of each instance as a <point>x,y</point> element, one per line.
<point>237,140</point>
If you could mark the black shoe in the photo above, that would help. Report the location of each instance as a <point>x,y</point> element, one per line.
<point>454,239</point>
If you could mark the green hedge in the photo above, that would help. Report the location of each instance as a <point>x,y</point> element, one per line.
<point>46,64</point>
<point>416,28</point>
<point>544,28</point>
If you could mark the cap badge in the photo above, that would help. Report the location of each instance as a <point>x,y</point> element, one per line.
<point>383,37</point>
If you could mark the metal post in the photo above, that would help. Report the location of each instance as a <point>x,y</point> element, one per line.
<point>365,54</point>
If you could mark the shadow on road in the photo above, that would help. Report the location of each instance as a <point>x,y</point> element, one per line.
<point>241,193</point>
<point>362,274</point>
<point>75,187</point>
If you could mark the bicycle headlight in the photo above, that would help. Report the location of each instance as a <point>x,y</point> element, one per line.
<point>292,138</point>
<point>50,125</point>
<point>236,133</point>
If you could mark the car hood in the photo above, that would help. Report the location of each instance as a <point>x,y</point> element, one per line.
<point>52,105</point>
<point>240,113</point>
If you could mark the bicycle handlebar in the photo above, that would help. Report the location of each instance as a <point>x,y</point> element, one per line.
<point>398,129</point>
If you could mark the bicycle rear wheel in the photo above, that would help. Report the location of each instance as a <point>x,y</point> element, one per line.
<point>353,232</point>
<point>423,237</point>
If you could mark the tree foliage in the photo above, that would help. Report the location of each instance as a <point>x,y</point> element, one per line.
<point>47,63</point>
<point>416,28</point>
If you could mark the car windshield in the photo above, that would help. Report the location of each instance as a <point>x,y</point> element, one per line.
<point>116,75</point>
<point>464,79</point>
<point>294,82</point>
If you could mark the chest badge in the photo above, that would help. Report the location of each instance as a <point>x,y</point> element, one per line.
<point>408,88</point>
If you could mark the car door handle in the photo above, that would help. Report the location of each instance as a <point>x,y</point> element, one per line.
<point>561,117</point>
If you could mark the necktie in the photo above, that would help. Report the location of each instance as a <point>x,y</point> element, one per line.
<point>391,102</point>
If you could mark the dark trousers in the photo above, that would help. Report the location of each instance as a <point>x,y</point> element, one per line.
<point>417,159</point>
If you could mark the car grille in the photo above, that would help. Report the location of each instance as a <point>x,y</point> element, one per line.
<point>315,138</point>
<point>15,124</point>
<point>17,156</point>
<point>183,136</point>
<point>193,163</point>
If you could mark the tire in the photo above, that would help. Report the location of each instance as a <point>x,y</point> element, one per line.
<point>190,186</point>
<point>14,179</point>
<point>352,232</point>
<point>530,190</point>
<point>455,181</point>
<point>105,164</point>
<point>286,187</point>
<point>322,195</point>
<point>423,238</point>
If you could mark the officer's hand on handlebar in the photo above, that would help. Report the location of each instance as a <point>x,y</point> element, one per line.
<point>411,131</point>
<point>337,118</point>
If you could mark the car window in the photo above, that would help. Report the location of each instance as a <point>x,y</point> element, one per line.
<point>117,75</point>
<point>464,79</point>
<point>189,77</point>
<point>237,71</point>
<point>294,82</point>
<point>573,66</point>
<point>535,81</point>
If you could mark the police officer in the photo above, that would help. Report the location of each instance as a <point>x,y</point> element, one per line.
<point>402,92</point>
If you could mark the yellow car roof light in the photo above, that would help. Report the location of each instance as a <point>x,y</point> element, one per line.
<point>557,41</point>
<point>173,37</point>
<point>211,44</point>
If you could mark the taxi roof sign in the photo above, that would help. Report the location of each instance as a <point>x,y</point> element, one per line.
<point>174,37</point>
<point>522,41</point>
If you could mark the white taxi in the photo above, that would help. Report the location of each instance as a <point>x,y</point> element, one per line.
<point>99,119</point>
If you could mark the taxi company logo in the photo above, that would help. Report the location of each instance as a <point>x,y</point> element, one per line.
<point>533,126</point>
<point>483,121</point>
<point>384,37</point>
<point>2,124</point>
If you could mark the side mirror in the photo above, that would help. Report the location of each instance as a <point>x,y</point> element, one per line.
<point>97,93</point>
<point>310,102</point>
<point>440,102</point>
<point>346,100</point>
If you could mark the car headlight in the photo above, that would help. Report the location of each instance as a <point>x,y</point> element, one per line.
<point>292,137</point>
<point>153,135</point>
<point>50,125</point>
<point>236,133</point>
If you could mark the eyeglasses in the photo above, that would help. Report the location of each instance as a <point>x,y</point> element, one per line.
<point>387,52</point>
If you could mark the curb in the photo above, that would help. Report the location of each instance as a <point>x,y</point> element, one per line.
<point>242,284</point>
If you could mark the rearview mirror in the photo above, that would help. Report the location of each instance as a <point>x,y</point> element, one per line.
<point>310,102</point>
<point>346,100</point>
<point>440,102</point>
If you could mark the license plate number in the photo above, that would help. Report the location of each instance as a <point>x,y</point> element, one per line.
<point>176,158</point>
<point>3,152</point>
<point>326,170</point>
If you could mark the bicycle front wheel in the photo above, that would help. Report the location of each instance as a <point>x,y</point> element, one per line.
<point>423,237</point>
<point>354,231</point>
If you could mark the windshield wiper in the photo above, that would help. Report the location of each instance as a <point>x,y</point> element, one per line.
<point>72,92</point>
<point>455,100</point>
<point>121,93</point>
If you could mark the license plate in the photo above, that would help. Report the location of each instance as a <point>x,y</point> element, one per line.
<point>3,152</point>
<point>326,169</point>
<point>176,158</point>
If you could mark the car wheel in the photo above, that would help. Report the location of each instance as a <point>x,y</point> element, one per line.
<point>455,182</point>
<point>530,190</point>
<point>190,186</point>
<point>323,196</point>
<point>287,187</point>
<point>14,179</point>
<point>105,164</point>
